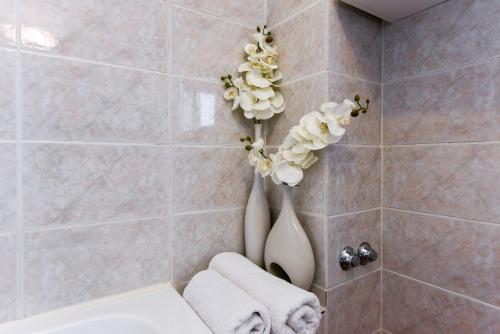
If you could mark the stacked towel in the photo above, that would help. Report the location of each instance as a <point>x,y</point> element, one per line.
<point>224,307</point>
<point>293,310</point>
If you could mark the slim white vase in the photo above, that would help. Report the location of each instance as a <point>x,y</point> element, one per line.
<point>288,252</point>
<point>257,216</point>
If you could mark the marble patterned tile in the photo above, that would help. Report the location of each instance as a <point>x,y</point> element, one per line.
<point>210,178</point>
<point>301,97</point>
<point>315,228</point>
<point>364,129</point>
<point>452,33</point>
<point>352,230</point>
<point>71,265</point>
<point>67,184</point>
<point>205,46</point>
<point>249,12</point>
<point>301,43</point>
<point>200,115</point>
<point>278,10</point>
<point>458,105</point>
<point>410,307</point>
<point>8,278</point>
<point>355,42</point>
<point>454,180</point>
<point>7,95</point>
<point>8,23</point>
<point>124,32</point>
<point>354,308</point>
<point>196,238</point>
<point>456,255</point>
<point>68,100</point>
<point>8,187</point>
<point>353,178</point>
<point>310,195</point>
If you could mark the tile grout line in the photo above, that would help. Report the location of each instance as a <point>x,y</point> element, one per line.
<point>221,18</point>
<point>19,169</point>
<point>199,212</point>
<point>457,294</point>
<point>382,182</point>
<point>171,150</point>
<point>463,143</point>
<point>295,14</point>
<point>441,216</point>
<point>354,279</point>
<point>444,69</point>
<point>66,226</point>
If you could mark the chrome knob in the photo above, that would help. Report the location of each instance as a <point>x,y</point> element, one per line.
<point>348,258</point>
<point>366,253</point>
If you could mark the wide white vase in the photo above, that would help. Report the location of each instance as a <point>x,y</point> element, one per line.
<point>257,216</point>
<point>288,252</point>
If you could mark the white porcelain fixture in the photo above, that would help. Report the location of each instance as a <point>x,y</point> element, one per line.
<point>155,310</point>
<point>393,10</point>
<point>257,216</point>
<point>288,252</point>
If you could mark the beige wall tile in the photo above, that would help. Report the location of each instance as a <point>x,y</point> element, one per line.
<point>249,12</point>
<point>355,42</point>
<point>458,255</point>
<point>7,95</point>
<point>8,22</point>
<point>352,230</point>
<point>200,115</point>
<point>209,178</point>
<point>125,32</point>
<point>354,308</point>
<point>8,278</point>
<point>67,100</point>
<point>8,187</point>
<point>68,266</point>
<point>301,43</point>
<point>452,33</point>
<point>410,307</point>
<point>353,178</point>
<point>364,129</point>
<point>196,238</point>
<point>279,10</point>
<point>205,46</point>
<point>68,184</point>
<point>455,180</point>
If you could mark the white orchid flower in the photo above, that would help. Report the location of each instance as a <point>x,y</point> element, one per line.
<point>255,78</point>
<point>265,167</point>
<point>285,172</point>
<point>250,49</point>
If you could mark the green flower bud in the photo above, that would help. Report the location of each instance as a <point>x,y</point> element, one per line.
<point>269,39</point>
<point>223,78</point>
<point>249,138</point>
<point>248,148</point>
<point>354,113</point>
<point>356,98</point>
<point>367,101</point>
<point>258,29</point>
<point>242,139</point>
<point>227,85</point>
<point>229,76</point>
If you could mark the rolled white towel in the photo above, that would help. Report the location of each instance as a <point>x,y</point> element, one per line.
<point>225,308</point>
<point>293,310</point>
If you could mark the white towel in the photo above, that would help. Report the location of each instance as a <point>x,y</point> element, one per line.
<point>293,310</point>
<point>224,307</point>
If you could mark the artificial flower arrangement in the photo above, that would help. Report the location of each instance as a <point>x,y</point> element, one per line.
<point>256,94</point>
<point>256,91</point>
<point>315,131</point>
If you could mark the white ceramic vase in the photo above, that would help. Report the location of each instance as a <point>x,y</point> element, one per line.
<point>257,216</point>
<point>288,252</point>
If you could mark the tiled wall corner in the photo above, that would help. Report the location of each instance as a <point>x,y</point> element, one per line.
<point>441,177</point>
<point>96,132</point>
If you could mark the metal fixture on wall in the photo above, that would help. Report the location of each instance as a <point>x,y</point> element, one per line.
<point>366,253</point>
<point>348,258</point>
